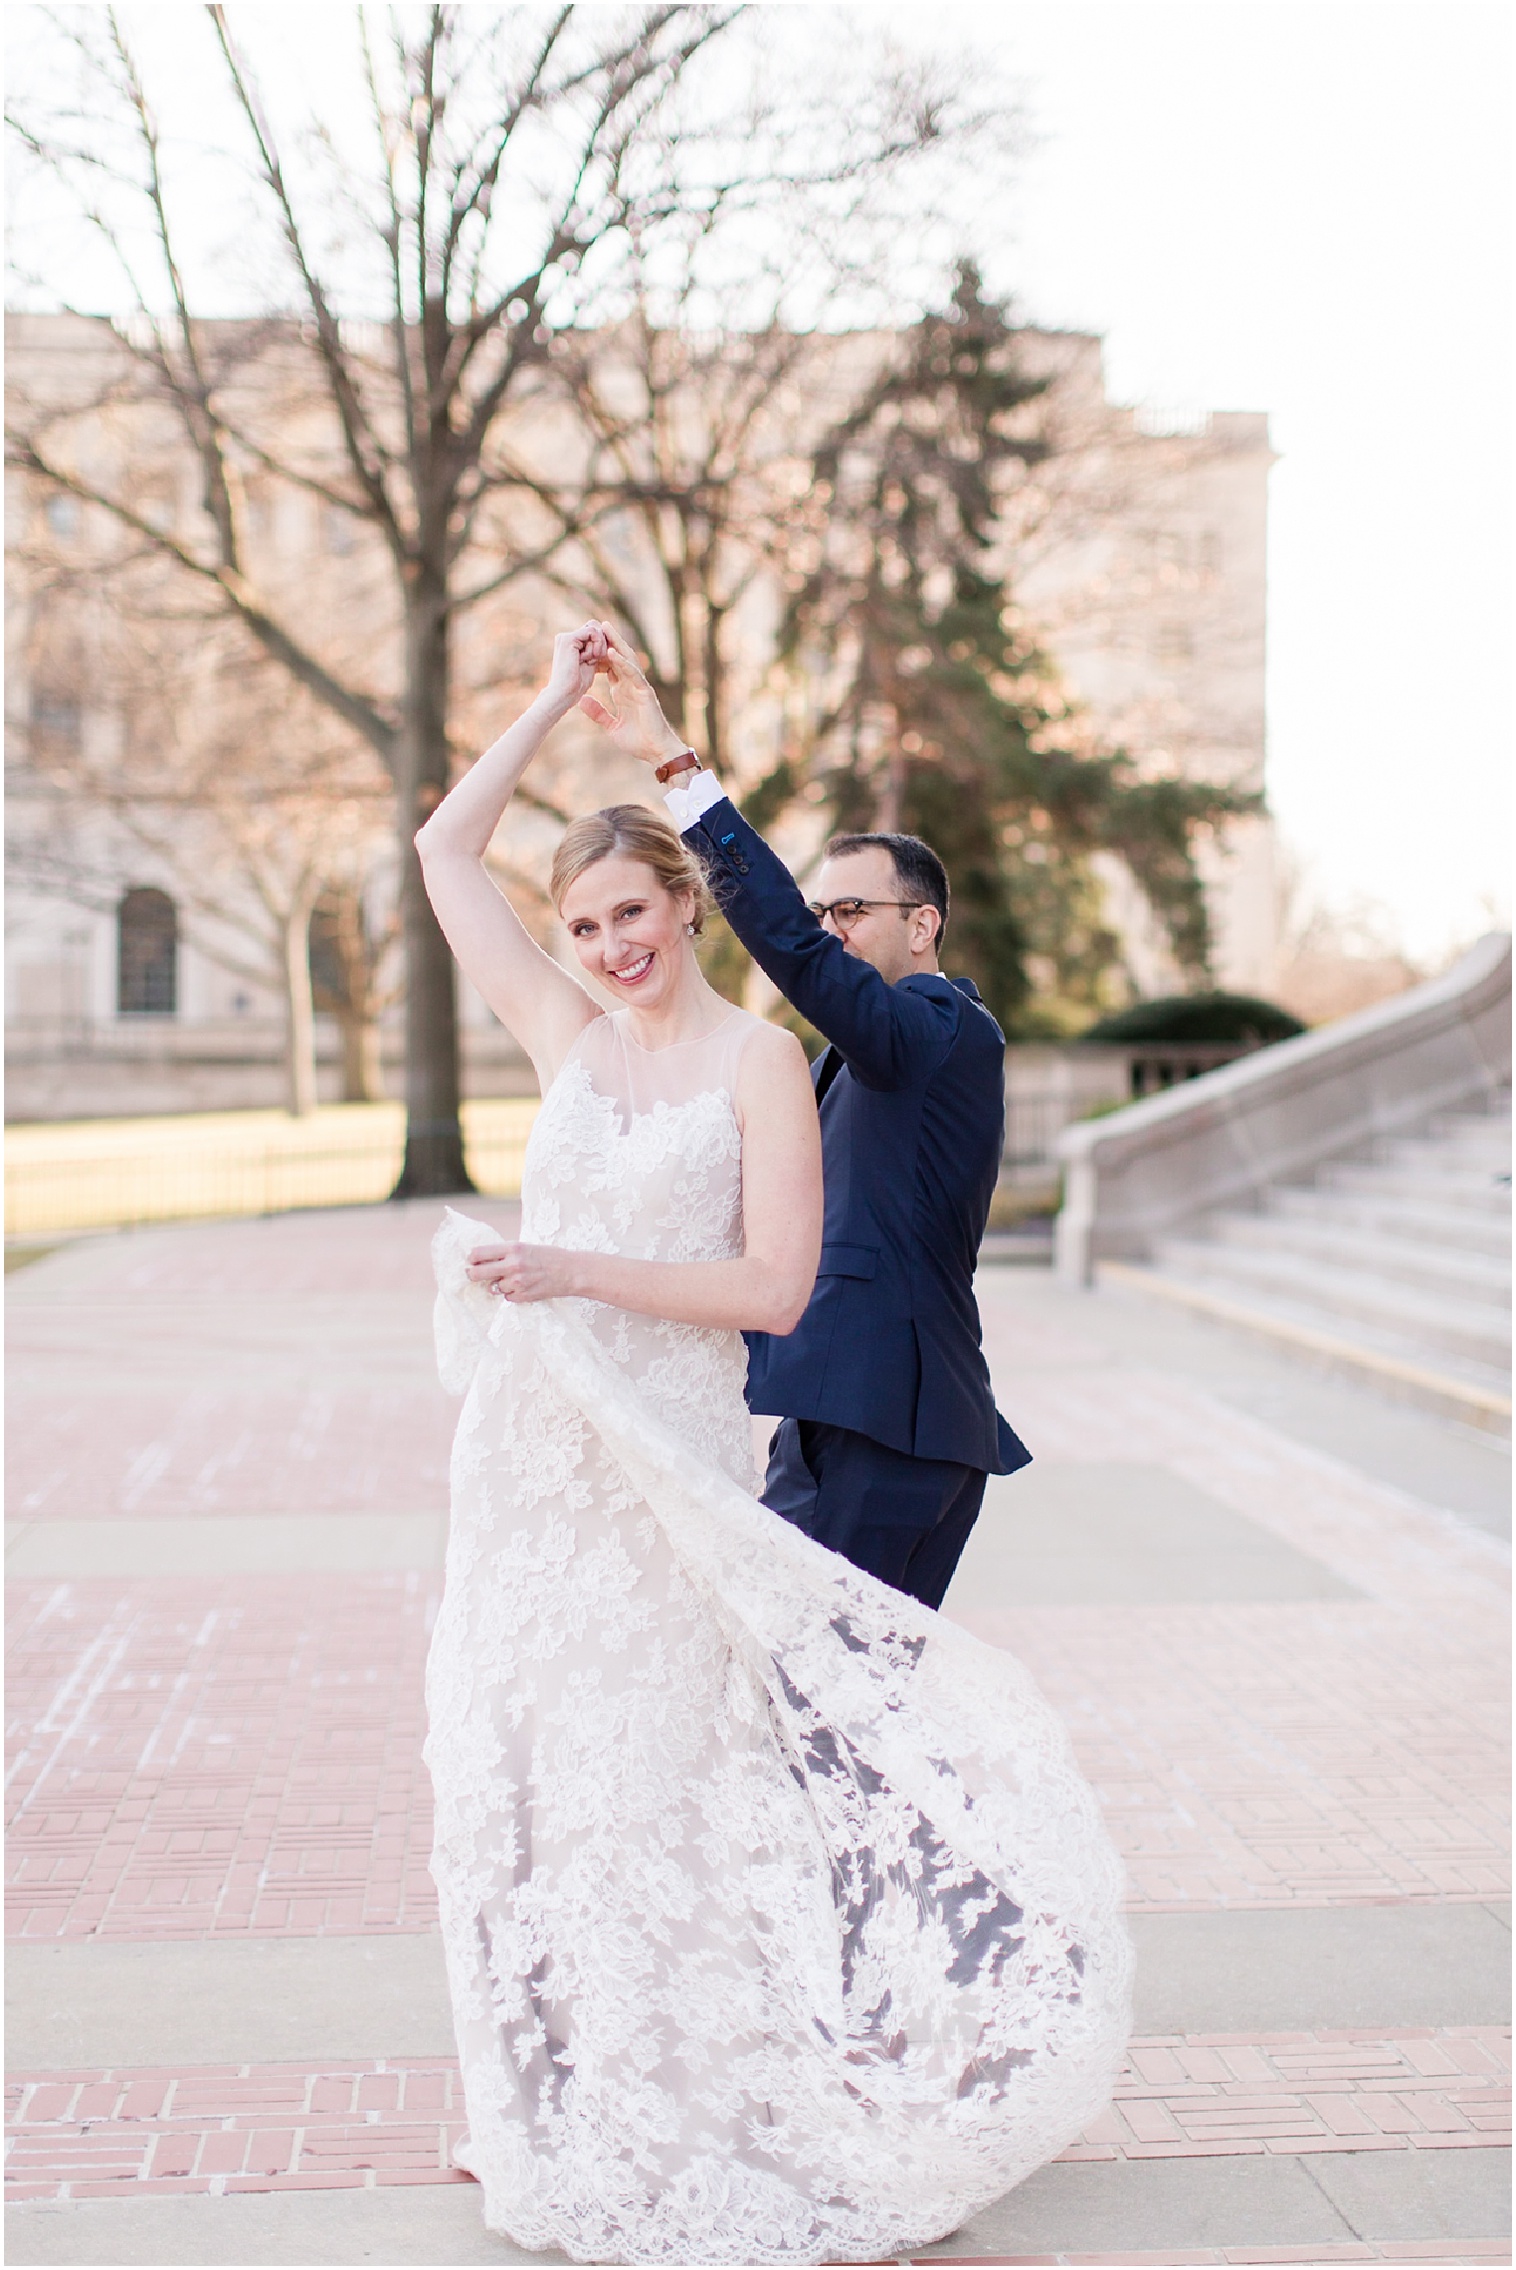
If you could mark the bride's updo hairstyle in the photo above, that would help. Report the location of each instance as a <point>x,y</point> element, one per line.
<point>631,831</point>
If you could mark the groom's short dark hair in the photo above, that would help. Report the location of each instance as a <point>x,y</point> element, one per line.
<point>919,872</point>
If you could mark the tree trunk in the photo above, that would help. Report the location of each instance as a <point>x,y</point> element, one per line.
<point>299,1012</point>
<point>362,1079</point>
<point>434,1165</point>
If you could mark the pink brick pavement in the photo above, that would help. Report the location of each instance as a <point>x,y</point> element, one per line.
<point>1267,1755</point>
<point>202,1756</point>
<point>199,1757</point>
<point>160,1451</point>
<point>92,2135</point>
<point>1271,1753</point>
<point>243,1367</point>
<point>96,2134</point>
<point>196,1756</point>
<point>339,1251</point>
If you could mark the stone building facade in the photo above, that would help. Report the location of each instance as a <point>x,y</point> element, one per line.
<point>1137,553</point>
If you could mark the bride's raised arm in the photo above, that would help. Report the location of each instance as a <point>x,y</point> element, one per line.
<point>539,1004</point>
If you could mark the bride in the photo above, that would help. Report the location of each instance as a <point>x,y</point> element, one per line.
<point>779,1924</point>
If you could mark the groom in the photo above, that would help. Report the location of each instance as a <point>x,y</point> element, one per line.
<point>888,1426</point>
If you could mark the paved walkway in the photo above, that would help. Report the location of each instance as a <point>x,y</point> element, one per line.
<point>1271,1608</point>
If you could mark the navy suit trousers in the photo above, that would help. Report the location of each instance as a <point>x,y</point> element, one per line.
<point>906,1520</point>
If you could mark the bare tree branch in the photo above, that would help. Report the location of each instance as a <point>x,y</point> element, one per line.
<point>302,665</point>
<point>366,453</point>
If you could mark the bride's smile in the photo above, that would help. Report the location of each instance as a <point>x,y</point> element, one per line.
<point>632,973</point>
<point>633,935</point>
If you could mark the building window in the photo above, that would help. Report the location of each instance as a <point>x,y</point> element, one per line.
<point>147,955</point>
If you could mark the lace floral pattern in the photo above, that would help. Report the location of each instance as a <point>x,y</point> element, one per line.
<point>780,1926</point>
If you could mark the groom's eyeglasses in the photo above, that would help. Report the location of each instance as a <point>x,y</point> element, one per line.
<point>845,912</point>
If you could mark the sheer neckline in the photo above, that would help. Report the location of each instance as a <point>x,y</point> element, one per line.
<point>623,1029</point>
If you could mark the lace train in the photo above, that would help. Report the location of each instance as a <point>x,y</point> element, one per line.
<point>780,1925</point>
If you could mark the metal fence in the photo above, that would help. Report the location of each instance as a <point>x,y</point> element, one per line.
<point>101,1174</point>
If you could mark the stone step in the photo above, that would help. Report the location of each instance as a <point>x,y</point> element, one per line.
<point>1404,1219</point>
<point>1474,1154</point>
<point>1396,1267</point>
<point>1375,1252</point>
<point>1477,1394</point>
<point>1480,1139</point>
<point>1476,1190</point>
<point>1439,1326</point>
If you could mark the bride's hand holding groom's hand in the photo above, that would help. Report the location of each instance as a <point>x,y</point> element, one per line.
<point>635,722</point>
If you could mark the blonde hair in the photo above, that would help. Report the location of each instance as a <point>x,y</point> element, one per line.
<point>633,832</point>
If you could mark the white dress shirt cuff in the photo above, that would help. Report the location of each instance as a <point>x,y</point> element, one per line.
<point>687,805</point>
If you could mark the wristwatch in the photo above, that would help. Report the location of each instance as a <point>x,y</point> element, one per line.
<point>686,761</point>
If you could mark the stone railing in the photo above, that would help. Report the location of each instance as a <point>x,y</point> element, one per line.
<point>1221,1140</point>
<point>1050,1086</point>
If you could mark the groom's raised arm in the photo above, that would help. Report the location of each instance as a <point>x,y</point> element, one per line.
<point>890,1035</point>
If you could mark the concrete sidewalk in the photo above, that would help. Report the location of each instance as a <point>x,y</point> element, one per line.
<point>1271,1608</point>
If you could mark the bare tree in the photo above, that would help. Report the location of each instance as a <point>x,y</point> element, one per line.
<point>239,791</point>
<point>350,942</point>
<point>692,453</point>
<point>514,155</point>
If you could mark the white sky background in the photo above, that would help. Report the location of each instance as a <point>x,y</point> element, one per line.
<point>1307,210</point>
<point>1261,205</point>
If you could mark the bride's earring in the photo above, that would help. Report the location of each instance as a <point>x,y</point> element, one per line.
<point>689,930</point>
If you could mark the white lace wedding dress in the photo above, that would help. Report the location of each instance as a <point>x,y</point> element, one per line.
<point>780,1926</point>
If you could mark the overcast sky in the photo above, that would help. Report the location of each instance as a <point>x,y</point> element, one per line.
<point>1307,210</point>
<point>1262,206</point>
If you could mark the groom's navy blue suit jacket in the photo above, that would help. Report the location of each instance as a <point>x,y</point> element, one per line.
<point>912,1099</point>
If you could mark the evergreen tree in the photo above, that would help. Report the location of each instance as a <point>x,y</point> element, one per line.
<point>938,716</point>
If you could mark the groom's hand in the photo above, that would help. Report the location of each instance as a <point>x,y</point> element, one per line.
<point>524,1272</point>
<point>634,721</point>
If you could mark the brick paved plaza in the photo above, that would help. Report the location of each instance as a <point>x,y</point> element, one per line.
<point>1272,1610</point>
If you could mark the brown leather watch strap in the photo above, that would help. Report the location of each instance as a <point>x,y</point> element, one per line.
<point>687,761</point>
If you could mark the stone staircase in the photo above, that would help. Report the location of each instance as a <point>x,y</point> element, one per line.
<point>1397,1267</point>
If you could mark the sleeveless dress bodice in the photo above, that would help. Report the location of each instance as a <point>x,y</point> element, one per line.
<point>638,1152</point>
